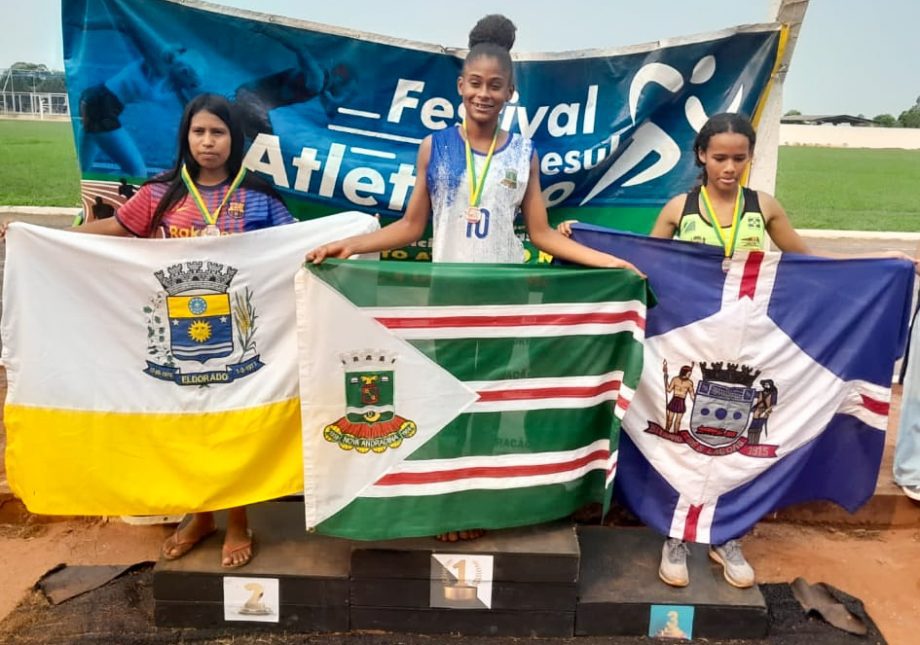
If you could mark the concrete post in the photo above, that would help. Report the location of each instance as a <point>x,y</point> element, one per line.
<point>763,169</point>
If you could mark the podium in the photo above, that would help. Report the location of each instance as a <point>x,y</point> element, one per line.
<point>619,590</point>
<point>550,580</point>
<point>514,582</point>
<point>304,579</point>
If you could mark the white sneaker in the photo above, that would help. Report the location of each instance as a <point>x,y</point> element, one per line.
<point>736,569</point>
<point>673,567</point>
<point>912,491</point>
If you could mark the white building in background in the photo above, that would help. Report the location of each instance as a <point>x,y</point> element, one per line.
<point>848,136</point>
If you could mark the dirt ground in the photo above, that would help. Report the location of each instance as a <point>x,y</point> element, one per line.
<point>881,566</point>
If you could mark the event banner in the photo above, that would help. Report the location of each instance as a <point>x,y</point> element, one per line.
<point>162,381</point>
<point>334,117</point>
<point>766,382</point>
<point>439,397</point>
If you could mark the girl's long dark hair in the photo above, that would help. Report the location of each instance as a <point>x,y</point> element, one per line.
<point>719,124</point>
<point>176,190</point>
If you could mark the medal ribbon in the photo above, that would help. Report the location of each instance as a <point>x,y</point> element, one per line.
<point>476,186</point>
<point>727,243</point>
<point>209,217</point>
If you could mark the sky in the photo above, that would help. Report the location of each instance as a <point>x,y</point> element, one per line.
<point>852,57</point>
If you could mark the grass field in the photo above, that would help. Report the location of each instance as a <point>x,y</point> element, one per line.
<point>831,188</point>
<point>856,189</point>
<point>38,164</point>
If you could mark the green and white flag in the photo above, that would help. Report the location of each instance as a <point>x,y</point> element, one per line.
<point>440,397</point>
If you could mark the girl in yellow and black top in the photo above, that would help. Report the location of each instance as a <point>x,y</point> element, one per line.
<point>721,212</point>
<point>742,217</point>
<point>749,235</point>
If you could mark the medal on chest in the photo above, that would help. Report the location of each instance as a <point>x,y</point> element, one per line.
<point>210,217</point>
<point>729,240</point>
<point>474,212</point>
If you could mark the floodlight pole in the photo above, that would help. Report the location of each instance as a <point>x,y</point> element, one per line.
<point>763,169</point>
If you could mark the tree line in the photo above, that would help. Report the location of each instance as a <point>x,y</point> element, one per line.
<point>909,118</point>
<point>32,77</point>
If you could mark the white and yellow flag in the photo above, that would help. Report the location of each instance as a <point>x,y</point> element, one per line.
<point>154,376</point>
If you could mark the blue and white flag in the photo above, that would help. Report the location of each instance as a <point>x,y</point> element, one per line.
<point>766,382</point>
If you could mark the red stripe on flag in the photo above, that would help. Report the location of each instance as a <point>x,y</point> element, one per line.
<point>439,476</point>
<point>749,277</point>
<point>548,392</point>
<point>693,517</point>
<point>562,320</point>
<point>874,405</point>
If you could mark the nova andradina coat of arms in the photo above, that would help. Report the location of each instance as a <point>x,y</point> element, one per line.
<point>370,423</point>
<point>729,414</point>
<point>197,319</point>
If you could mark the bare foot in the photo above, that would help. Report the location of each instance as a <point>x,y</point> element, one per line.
<point>187,536</point>
<point>237,549</point>
<point>454,536</point>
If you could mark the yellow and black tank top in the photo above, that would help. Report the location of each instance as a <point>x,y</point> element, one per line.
<point>751,229</point>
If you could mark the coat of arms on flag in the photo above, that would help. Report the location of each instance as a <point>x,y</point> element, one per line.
<point>200,318</point>
<point>370,422</point>
<point>728,413</point>
<point>793,350</point>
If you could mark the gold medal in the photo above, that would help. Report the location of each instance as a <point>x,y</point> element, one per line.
<point>473,214</point>
<point>210,231</point>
